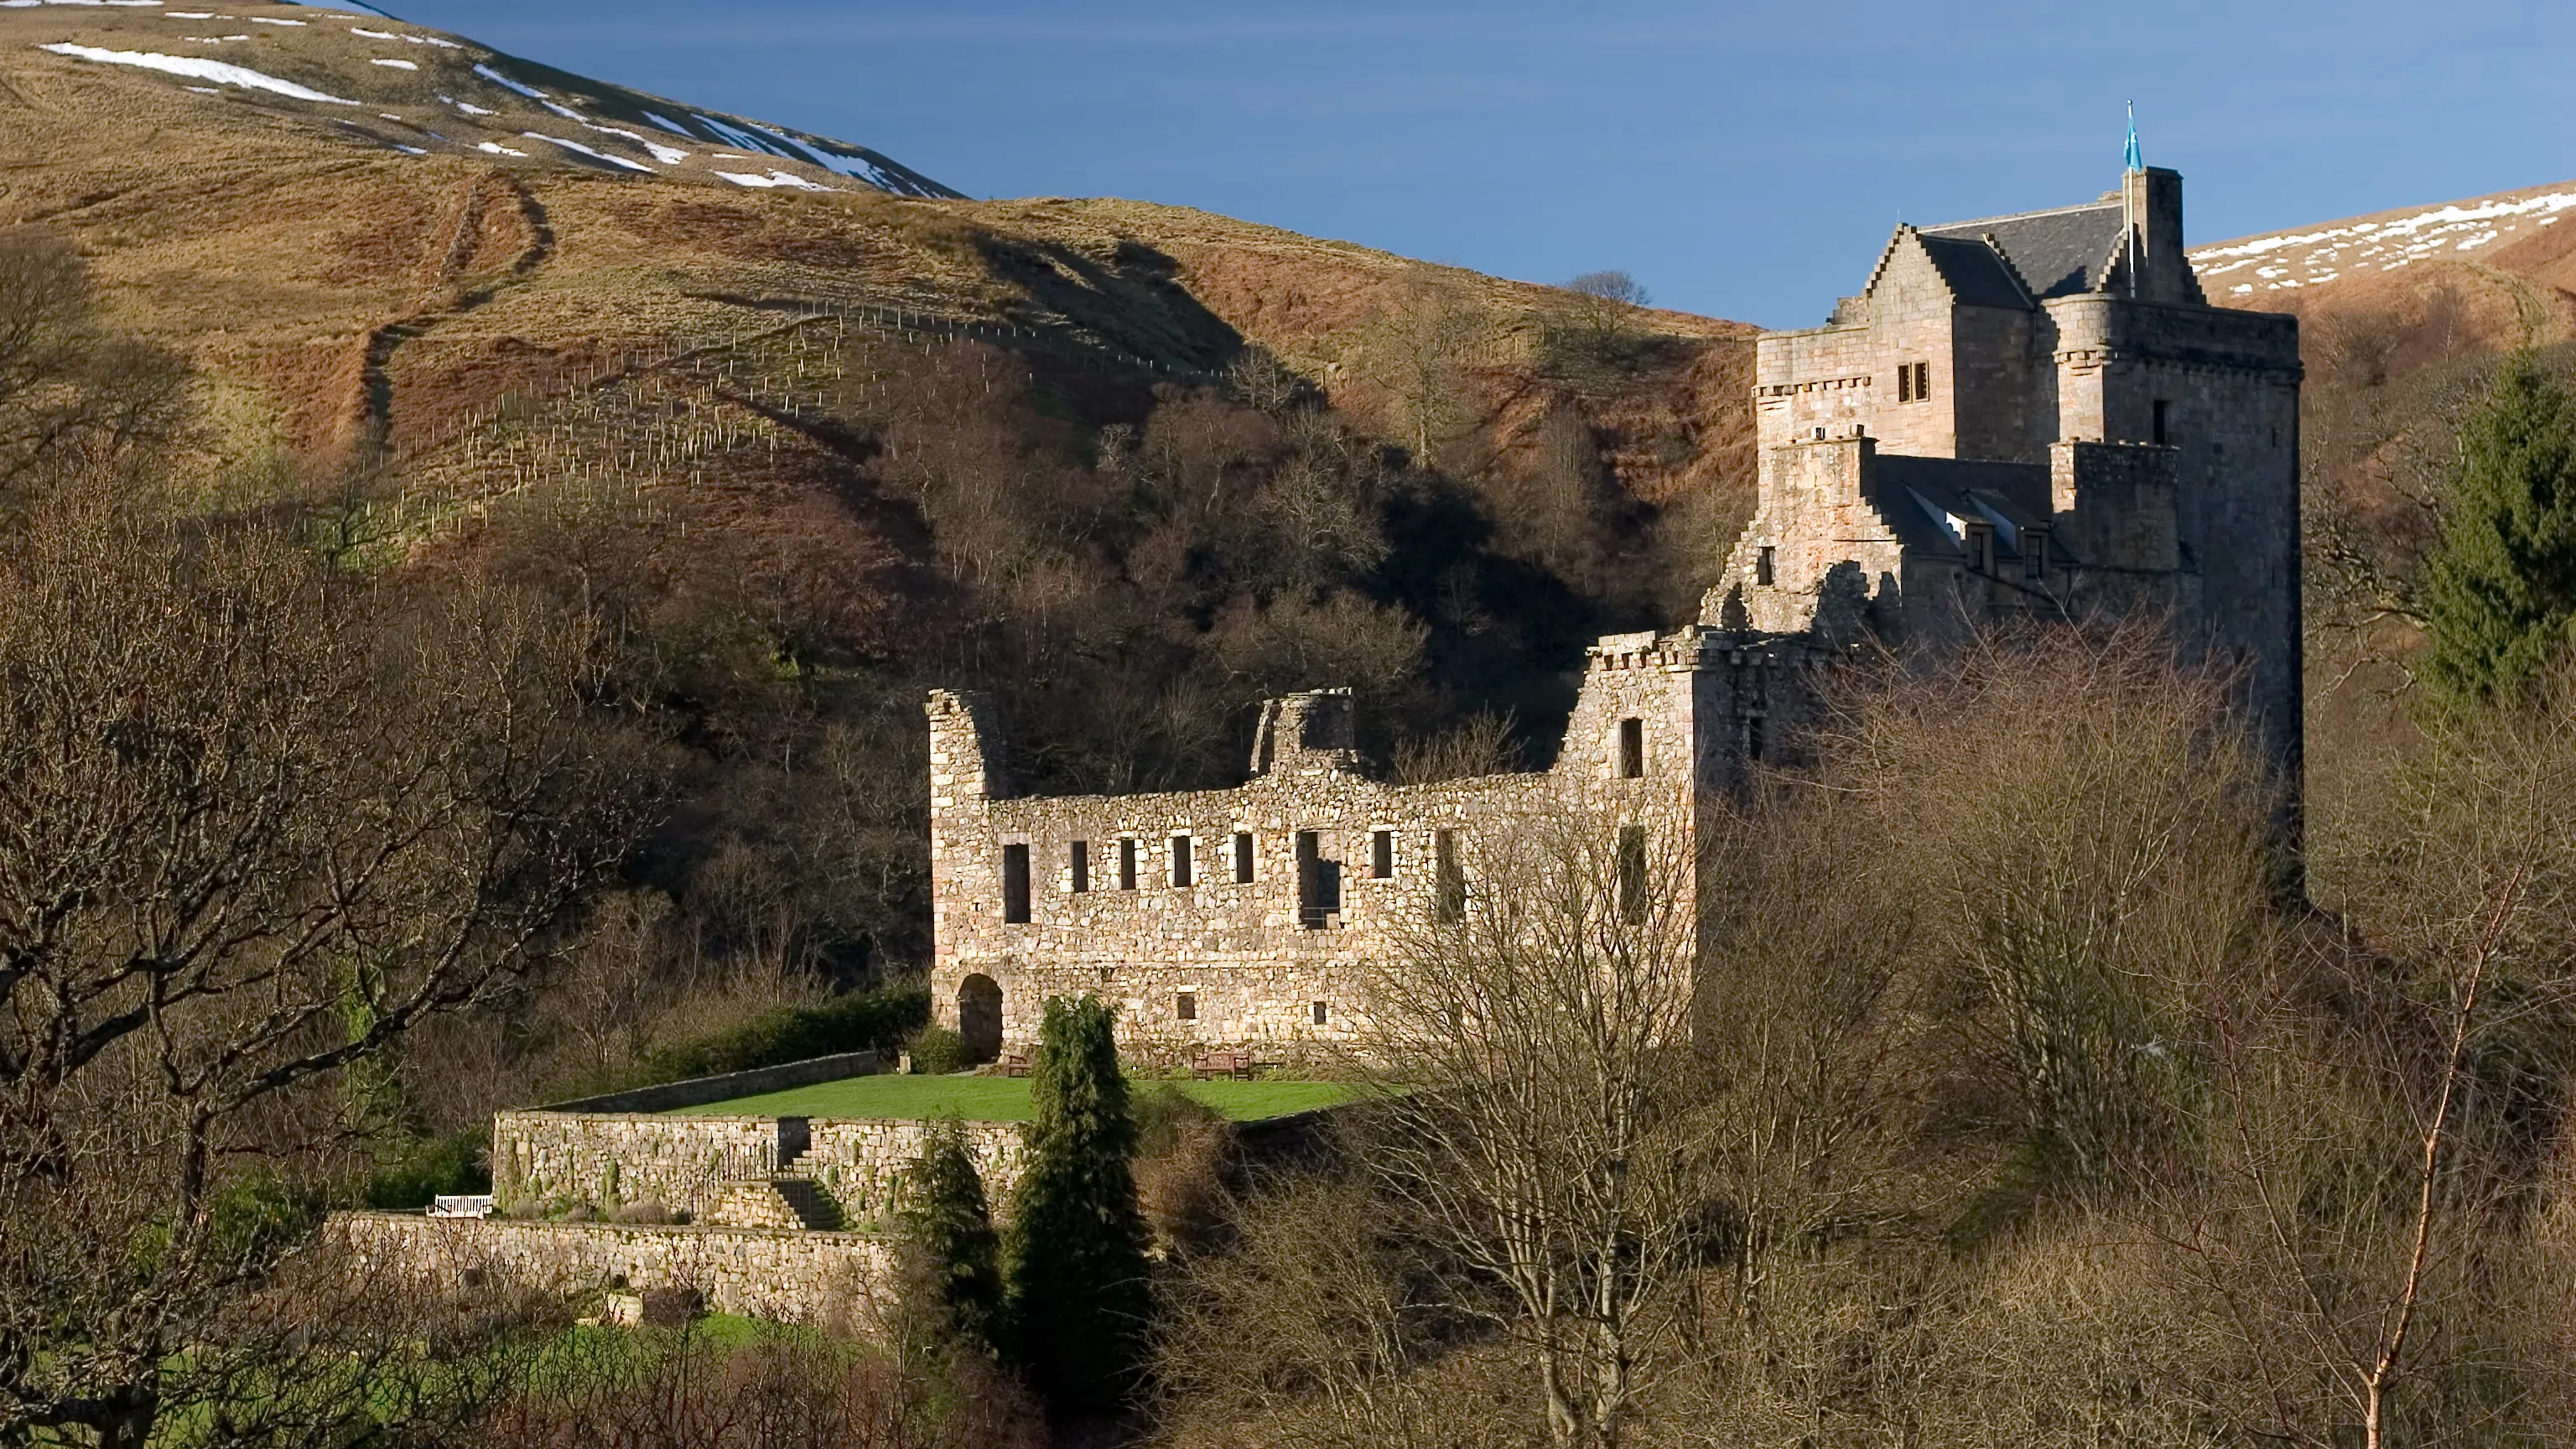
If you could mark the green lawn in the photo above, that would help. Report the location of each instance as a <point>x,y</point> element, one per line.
<point>1001,1099</point>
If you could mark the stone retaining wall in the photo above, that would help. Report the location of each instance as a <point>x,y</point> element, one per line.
<point>605,1160</point>
<point>726,1086</point>
<point>785,1276</point>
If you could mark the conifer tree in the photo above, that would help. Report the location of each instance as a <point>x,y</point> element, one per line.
<point>2500,589</point>
<point>1078,1291</point>
<point>948,1220</point>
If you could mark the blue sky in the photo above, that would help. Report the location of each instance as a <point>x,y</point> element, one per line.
<point>1742,160</point>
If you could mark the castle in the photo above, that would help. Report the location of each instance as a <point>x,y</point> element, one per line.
<point>2029,416</point>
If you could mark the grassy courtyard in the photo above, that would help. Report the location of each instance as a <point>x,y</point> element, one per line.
<point>1002,1099</point>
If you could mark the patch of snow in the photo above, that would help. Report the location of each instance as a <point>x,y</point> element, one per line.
<point>587,151</point>
<point>409,150</point>
<point>732,156</point>
<point>499,150</point>
<point>740,137</point>
<point>667,155</point>
<point>190,14</point>
<point>468,107</point>
<point>32,4</point>
<point>205,90</point>
<point>396,64</point>
<point>265,20</point>
<point>196,69</point>
<point>567,112</point>
<point>498,79</point>
<point>667,124</point>
<point>849,166</point>
<point>405,39</point>
<point>774,178</point>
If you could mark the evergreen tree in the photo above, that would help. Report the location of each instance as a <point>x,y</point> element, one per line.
<point>2500,589</point>
<point>947,1219</point>
<point>1079,1295</point>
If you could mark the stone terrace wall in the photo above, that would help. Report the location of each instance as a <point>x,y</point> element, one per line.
<point>606,1159</point>
<point>789,1276</point>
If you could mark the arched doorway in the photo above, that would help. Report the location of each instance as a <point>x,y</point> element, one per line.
<point>979,1017</point>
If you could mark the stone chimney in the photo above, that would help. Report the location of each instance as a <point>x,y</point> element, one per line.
<point>1312,733</point>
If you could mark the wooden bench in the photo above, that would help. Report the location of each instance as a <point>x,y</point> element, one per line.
<point>1015,1064</point>
<point>1230,1064</point>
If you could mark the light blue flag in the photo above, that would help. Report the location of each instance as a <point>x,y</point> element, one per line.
<point>2136,161</point>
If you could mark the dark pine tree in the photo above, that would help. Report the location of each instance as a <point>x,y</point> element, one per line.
<point>1078,1290</point>
<point>948,1219</point>
<point>2500,589</point>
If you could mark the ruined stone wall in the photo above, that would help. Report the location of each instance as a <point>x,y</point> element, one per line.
<point>607,1160</point>
<point>786,1276</point>
<point>1341,867</point>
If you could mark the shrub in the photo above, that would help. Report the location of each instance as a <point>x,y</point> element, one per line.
<point>1184,1153</point>
<point>419,1170</point>
<point>1079,1295</point>
<point>947,1217</point>
<point>647,1213</point>
<point>937,1051</point>
<point>861,1021</point>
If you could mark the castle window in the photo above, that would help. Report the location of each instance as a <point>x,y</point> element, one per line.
<point>1922,381</point>
<point>2163,420</point>
<point>1632,748</point>
<point>1757,737</point>
<point>1382,855</point>
<point>1323,1014</point>
<point>1448,879</point>
<point>1765,562</point>
<point>1180,860</point>
<point>1632,873</point>
<point>1081,863</point>
<point>1185,1005</point>
<point>1319,883</point>
<point>1913,381</point>
<point>1015,884</point>
<point>1243,857</point>
<point>2034,552</point>
<point>1980,544</point>
<point>1127,863</point>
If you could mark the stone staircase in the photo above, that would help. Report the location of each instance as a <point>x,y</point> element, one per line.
<point>787,1201</point>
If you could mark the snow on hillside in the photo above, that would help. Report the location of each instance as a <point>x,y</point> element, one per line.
<point>440,91</point>
<point>2460,230</point>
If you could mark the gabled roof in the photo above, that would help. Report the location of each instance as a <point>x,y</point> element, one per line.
<point>1976,274</point>
<point>2056,252</point>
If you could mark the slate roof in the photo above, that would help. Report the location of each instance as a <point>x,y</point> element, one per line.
<point>2056,252</point>
<point>1977,277</point>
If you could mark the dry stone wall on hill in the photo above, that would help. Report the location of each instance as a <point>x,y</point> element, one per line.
<point>788,1276</point>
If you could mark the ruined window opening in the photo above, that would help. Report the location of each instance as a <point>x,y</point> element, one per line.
<point>1382,855</point>
<point>1632,873</point>
<point>1180,860</point>
<point>1243,857</point>
<point>1449,882</point>
<point>1757,737</point>
<point>1322,1014</point>
<point>1764,565</point>
<point>1185,1006</point>
<point>1632,749</point>
<point>1319,883</point>
<point>1080,860</point>
<point>2163,418</point>
<point>1015,884</point>
<point>1127,863</point>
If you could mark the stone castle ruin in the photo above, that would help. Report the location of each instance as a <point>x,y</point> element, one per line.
<point>2036,416</point>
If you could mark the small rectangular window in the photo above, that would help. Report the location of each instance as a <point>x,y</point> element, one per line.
<point>1632,873</point>
<point>1323,1014</point>
<point>1448,878</point>
<point>2163,420</point>
<point>1382,855</point>
<point>1980,543</point>
<point>1905,382</point>
<point>1080,861</point>
<point>1015,884</point>
<point>1180,860</point>
<point>1243,857</point>
<point>1922,381</point>
<point>1127,863</point>
<point>2034,553</point>
<point>1765,565</point>
<point>1632,749</point>
<point>1757,737</point>
<point>1186,1006</point>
